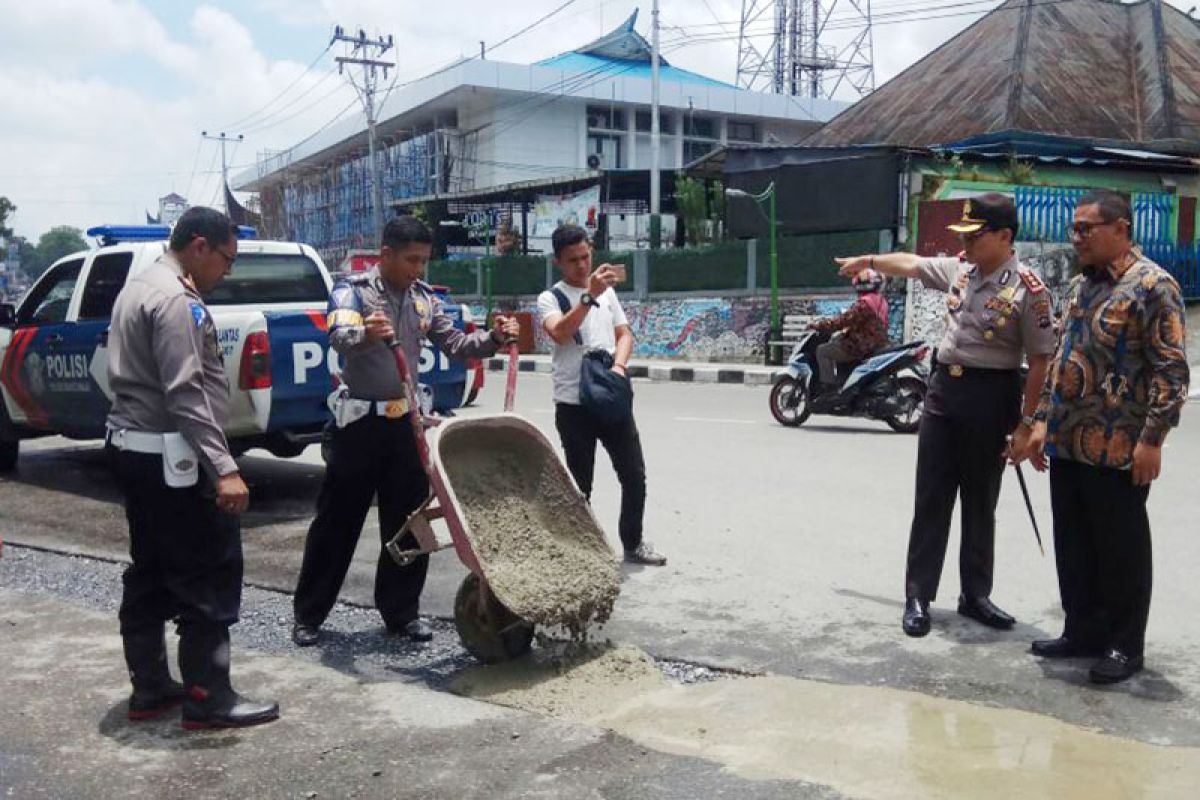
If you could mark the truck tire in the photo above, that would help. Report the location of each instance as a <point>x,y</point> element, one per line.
<point>8,454</point>
<point>8,447</point>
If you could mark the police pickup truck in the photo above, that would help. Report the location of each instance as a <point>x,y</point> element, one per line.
<point>270,318</point>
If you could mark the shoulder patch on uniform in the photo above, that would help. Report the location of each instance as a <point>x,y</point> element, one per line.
<point>1032,282</point>
<point>342,295</point>
<point>198,313</point>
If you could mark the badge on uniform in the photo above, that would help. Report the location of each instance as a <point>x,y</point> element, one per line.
<point>1008,294</point>
<point>422,308</point>
<point>198,314</point>
<point>1042,309</point>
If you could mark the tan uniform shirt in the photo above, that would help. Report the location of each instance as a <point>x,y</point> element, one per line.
<point>369,369</point>
<point>990,319</point>
<point>165,366</point>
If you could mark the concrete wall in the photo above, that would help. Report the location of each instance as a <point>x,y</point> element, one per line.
<point>712,328</point>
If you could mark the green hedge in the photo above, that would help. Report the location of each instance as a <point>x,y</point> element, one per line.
<point>804,261</point>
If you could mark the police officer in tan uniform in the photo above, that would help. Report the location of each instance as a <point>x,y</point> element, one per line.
<point>372,450</point>
<point>183,493</point>
<point>996,311</point>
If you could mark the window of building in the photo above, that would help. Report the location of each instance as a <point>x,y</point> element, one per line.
<point>607,149</point>
<point>700,127</point>
<point>666,123</point>
<point>742,131</point>
<point>693,150</point>
<point>606,118</point>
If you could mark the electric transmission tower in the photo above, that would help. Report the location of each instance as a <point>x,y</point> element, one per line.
<point>366,53</point>
<point>785,46</point>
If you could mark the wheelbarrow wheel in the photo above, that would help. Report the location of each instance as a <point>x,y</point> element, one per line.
<point>489,632</point>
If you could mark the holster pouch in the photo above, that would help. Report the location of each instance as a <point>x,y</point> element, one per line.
<point>181,467</point>
<point>345,408</point>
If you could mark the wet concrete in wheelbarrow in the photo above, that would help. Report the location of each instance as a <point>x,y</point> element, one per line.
<point>541,550</point>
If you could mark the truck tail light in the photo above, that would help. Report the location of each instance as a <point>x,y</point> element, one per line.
<point>256,362</point>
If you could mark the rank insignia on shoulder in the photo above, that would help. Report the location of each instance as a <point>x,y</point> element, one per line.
<point>1032,282</point>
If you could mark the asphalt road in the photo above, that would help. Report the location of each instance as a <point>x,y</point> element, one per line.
<point>786,553</point>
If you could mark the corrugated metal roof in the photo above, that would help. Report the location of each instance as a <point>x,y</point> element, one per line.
<point>1098,69</point>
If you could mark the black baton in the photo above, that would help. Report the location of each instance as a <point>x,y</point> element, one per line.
<point>1029,506</point>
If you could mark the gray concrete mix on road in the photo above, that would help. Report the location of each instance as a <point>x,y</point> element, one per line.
<point>786,553</point>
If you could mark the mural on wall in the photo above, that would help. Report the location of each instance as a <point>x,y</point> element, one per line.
<point>1053,261</point>
<point>717,329</point>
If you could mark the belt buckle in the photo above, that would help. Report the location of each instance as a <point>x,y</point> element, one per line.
<point>394,409</point>
<point>956,370</point>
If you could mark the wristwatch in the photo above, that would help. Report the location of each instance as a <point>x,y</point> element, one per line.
<point>588,300</point>
<point>1028,420</point>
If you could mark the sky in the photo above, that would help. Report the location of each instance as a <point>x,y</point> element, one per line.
<point>106,100</point>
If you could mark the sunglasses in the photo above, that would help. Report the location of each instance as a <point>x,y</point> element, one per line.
<point>1084,230</point>
<point>228,258</point>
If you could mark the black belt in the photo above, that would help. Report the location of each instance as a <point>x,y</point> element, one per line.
<point>959,371</point>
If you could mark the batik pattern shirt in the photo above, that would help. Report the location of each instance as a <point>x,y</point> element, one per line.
<point>1119,375</point>
<point>864,330</point>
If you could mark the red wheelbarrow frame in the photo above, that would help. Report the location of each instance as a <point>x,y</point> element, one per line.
<point>418,521</point>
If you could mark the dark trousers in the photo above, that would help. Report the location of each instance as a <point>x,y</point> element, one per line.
<point>186,553</point>
<point>373,457</point>
<point>1102,549</point>
<point>579,431</point>
<point>959,448</point>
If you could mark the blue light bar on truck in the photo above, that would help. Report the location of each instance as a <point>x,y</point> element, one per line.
<point>115,234</point>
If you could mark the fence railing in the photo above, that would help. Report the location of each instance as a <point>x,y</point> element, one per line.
<point>1046,213</point>
<point>1182,261</point>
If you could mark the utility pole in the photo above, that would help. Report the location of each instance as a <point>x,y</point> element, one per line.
<point>655,138</point>
<point>222,138</point>
<point>367,53</point>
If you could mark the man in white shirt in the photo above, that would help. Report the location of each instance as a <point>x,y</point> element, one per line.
<point>580,313</point>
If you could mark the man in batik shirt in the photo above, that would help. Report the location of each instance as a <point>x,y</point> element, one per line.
<point>1115,388</point>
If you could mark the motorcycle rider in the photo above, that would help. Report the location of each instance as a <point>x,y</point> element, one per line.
<point>858,331</point>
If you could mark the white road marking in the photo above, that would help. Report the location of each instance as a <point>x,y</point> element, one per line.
<point>718,420</point>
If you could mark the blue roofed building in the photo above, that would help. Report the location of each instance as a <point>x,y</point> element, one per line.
<point>467,132</point>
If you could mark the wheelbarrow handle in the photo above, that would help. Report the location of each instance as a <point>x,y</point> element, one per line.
<point>510,389</point>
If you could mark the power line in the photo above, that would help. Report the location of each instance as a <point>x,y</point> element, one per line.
<point>243,122</point>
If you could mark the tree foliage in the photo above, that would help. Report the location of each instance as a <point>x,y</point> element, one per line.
<point>6,208</point>
<point>55,243</point>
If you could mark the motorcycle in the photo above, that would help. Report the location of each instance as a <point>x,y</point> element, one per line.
<point>888,385</point>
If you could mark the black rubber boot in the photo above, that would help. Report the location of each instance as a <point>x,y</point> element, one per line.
<point>155,692</point>
<point>211,700</point>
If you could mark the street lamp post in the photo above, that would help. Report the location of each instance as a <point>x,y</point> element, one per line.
<point>768,196</point>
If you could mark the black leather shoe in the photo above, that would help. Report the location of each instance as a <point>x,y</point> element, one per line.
<point>201,711</point>
<point>151,703</point>
<point>981,609</point>
<point>1114,667</point>
<point>305,635</point>
<point>417,630</point>
<point>916,617</point>
<point>1062,647</point>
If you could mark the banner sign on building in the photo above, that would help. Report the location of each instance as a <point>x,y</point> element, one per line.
<point>581,208</point>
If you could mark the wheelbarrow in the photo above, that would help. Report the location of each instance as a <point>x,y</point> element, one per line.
<point>493,624</point>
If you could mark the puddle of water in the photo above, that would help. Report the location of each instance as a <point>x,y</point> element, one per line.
<point>865,742</point>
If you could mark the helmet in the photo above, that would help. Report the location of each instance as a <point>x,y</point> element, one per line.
<point>867,281</point>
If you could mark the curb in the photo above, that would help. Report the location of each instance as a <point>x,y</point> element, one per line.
<point>750,376</point>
